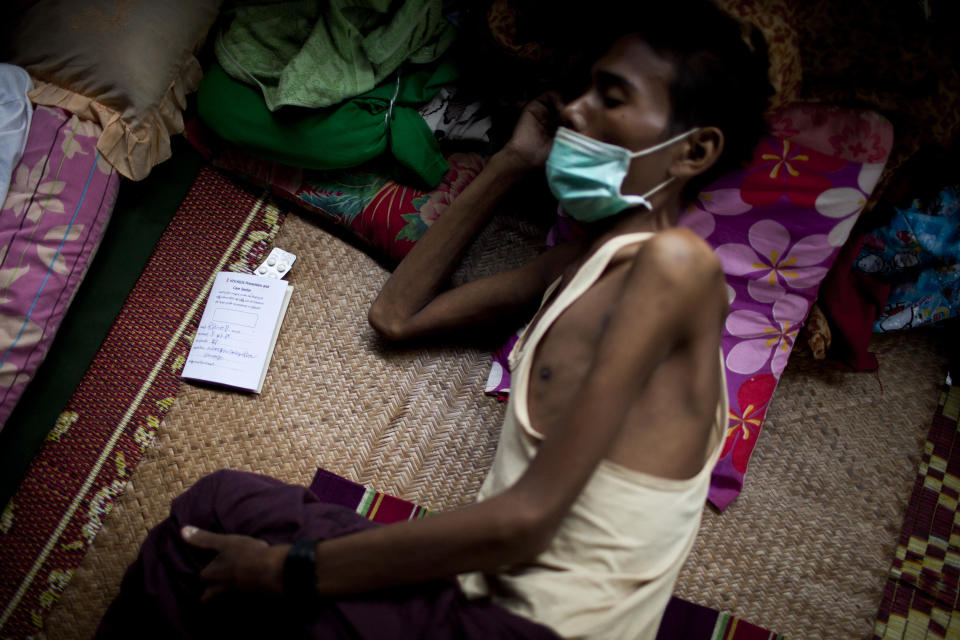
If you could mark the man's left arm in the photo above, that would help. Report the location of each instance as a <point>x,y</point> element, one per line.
<point>674,285</point>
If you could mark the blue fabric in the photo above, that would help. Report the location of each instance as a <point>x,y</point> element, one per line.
<point>919,253</point>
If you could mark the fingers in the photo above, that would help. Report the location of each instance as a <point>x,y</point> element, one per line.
<point>215,572</point>
<point>553,99</point>
<point>219,577</point>
<point>546,105</point>
<point>556,101</point>
<point>211,592</point>
<point>202,539</point>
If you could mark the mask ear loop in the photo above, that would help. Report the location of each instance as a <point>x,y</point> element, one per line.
<point>665,143</point>
<point>659,187</point>
<point>643,200</point>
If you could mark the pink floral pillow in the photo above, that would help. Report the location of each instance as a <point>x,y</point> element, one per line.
<point>60,198</point>
<point>851,134</point>
<point>777,227</point>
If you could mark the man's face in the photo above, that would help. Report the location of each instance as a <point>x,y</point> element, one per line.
<point>628,104</point>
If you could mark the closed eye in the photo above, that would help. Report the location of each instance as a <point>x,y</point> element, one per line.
<point>610,101</point>
<point>612,88</point>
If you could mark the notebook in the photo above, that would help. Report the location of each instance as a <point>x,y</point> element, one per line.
<point>238,331</point>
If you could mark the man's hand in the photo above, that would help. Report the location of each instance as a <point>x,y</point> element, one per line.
<point>533,135</point>
<point>242,563</point>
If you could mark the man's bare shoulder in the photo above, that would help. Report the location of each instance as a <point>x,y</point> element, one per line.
<point>679,259</point>
<point>679,249</point>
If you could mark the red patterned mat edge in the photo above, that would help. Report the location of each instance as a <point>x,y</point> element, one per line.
<point>921,597</point>
<point>112,417</point>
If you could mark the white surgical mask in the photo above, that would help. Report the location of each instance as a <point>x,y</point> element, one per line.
<point>586,175</point>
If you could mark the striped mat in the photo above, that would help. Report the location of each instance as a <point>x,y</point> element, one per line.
<point>682,620</point>
<point>921,596</point>
<point>97,441</point>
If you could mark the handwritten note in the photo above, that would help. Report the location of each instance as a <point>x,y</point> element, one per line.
<point>238,330</point>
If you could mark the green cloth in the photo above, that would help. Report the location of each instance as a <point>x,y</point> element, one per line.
<point>316,53</point>
<point>346,135</point>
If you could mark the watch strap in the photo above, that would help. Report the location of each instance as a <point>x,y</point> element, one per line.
<point>300,569</point>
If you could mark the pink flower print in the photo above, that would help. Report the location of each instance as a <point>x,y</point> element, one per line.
<point>723,202</point>
<point>699,217</point>
<point>865,138</point>
<point>7,277</point>
<point>33,192</point>
<point>464,167</point>
<point>762,340</point>
<point>782,126</point>
<point>77,135</point>
<point>698,221</point>
<point>49,249</point>
<point>745,419</point>
<point>772,263</point>
<point>846,203</point>
<point>59,114</point>
<point>782,168</point>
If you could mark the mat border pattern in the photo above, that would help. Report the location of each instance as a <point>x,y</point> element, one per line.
<point>921,596</point>
<point>112,417</point>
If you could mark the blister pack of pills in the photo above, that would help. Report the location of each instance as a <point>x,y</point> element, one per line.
<point>277,264</point>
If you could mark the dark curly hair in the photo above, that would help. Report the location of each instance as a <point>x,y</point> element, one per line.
<point>720,77</point>
<point>720,70</point>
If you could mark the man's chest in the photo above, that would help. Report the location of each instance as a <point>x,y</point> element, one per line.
<point>566,352</point>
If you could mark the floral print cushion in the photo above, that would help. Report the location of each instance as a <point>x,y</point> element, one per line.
<point>777,227</point>
<point>850,134</point>
<point>380,210</point>
<point>60,198</point>
<point>383,212</point>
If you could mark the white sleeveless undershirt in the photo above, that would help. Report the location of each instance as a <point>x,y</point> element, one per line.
<point>610,569</point>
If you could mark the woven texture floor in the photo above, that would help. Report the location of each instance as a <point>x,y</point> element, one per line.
<point>803,551</point>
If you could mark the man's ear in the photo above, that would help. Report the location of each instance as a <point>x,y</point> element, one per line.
<point>698,152</point>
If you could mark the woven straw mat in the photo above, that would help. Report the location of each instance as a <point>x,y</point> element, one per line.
<point>803,550</point>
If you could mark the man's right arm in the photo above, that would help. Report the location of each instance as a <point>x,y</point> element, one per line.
<point>415,302</point>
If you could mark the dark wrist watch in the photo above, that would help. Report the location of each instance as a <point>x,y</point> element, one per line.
<point>300,570</point>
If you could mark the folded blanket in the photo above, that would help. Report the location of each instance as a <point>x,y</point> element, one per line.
<point>917,253</point>
<point>381,121</point>
<point>313,53</point>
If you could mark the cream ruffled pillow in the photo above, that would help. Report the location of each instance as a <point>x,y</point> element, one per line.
<point>125,64</point>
